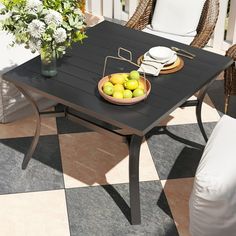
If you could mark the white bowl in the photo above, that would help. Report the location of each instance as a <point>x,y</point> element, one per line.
<point>161,53</point>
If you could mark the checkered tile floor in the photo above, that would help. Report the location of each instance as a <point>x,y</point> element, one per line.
<point>77,182</point>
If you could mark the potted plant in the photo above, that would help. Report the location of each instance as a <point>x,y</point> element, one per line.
<point>46,26</point>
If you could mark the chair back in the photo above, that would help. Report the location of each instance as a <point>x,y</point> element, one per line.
<point>207,23</point>
<point>144,12</point>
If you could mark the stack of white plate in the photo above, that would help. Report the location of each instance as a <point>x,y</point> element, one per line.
<point>162,55</point>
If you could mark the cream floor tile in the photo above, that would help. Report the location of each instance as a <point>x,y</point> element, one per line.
<point>178,193</point>
<point>34,214</point>
<point>26,127</point>
<point>187,115</point>
<point>91,159</point>
<point>220,76</point>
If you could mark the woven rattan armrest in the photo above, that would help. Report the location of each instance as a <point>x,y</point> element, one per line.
<point>207,23</point>
<point>232,52</point>
<point>230,77</point>
<point>142,15</point>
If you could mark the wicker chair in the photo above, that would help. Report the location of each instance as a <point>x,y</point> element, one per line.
<point>230,77</point>
<point>143,15</point>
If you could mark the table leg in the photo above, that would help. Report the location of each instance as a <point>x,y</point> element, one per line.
<point>37,130</point>
<point>134,150</point>
<point>201,96</point>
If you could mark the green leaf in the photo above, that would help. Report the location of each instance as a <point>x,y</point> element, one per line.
<point>20,18</point>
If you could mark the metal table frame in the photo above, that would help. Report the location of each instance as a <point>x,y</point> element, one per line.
<point>134,141</point>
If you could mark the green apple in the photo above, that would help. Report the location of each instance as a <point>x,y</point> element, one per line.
<point>138,92</point>
<point>107,83</point>
<point>134,75</point>
<point>131,84</point>
<point>127,93</point>
<point>108,90</point>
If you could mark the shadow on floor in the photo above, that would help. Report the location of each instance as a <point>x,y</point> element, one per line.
<point>163,130</point>
<point>189,157</point>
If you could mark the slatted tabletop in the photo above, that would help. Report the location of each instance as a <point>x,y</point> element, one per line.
<point>81,68</point>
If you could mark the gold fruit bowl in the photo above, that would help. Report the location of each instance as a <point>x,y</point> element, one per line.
<point>124,101</point>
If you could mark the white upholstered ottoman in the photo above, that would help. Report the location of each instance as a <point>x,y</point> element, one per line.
<point>213,199</point>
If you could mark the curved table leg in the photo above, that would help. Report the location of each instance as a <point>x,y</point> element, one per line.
<point>201,96</point>
<point>38,126</point>
<point>134,149</point>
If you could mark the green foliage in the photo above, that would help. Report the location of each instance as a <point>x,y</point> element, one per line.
<point>18,19</point>
<point>11,3</point>
<point>55,5</point>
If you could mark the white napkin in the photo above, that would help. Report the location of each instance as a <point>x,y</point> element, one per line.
<point>150,66</point>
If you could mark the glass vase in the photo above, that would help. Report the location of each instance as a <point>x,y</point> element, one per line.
<point>48,62</point>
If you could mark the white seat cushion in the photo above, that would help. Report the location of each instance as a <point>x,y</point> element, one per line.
<point>179,38</point>
<point>180,17</point>
<point>213,199</point>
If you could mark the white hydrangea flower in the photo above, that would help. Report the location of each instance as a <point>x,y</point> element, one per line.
<point>60,35</point>
<point>79,14</point>
<point>36,28</point>
<point>77,11</point>
<point>35,45</point>
<point>53,17</point>
<point>33,5</point>
<point>6,16</point>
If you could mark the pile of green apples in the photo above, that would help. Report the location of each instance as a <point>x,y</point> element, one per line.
<point>124,85</point>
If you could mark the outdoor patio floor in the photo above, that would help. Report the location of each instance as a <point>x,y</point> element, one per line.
<point>77,182</point>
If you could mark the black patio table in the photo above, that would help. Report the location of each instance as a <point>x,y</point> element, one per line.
<point>75,86</point>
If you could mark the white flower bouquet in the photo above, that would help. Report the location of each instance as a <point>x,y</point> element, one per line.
<point>44,25</point>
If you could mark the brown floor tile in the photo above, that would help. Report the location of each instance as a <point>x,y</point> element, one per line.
<point>92,159</point>
<point>26,128</point>
<point>34,214</point>
<point>178,193</point>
